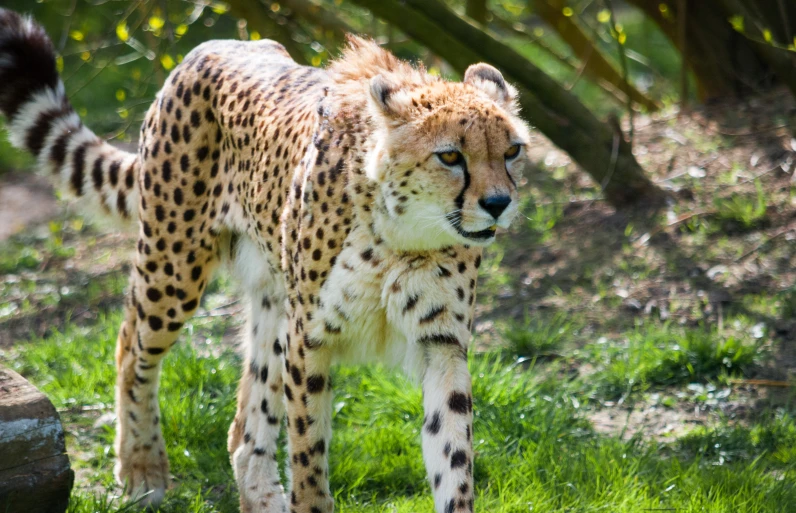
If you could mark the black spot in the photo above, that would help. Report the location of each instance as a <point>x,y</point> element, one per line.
<point>410,303</point>
<point>201,153</point>
<point>155,322</point>
<point>113,173</point>
<point>96,173</point>
<point>458,459</point>
<point>296,374</point>
<point>458,403</point>
<point>439,338</point>
<point>432,314</point>
<point>153,294</point>
<point>166,171</point>
<point>315,383</point>
<point>437,480</point>
<point>58,150</point>
<point>37,133</point>
<point>435,424</point>
<point>78,162</point>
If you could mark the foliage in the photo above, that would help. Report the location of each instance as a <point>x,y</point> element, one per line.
<point>742,211</point>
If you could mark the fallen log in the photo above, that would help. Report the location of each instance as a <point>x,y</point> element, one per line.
<point>35,476</point>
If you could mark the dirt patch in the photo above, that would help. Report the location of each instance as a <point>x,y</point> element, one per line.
<point>25,199</point>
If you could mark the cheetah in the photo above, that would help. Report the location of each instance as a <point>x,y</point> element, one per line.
<point>352,202</point>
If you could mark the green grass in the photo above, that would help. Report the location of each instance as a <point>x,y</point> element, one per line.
<point>664,355</point>
<point>536,451</point>
<point>742,212</point>
<point>538,336</point>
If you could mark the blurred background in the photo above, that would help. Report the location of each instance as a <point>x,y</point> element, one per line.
<point>635,337</point>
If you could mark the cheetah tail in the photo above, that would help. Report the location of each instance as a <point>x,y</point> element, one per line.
<point>41,120</point>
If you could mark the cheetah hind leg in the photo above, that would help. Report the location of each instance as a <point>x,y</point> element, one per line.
<point>253,435</point>
<point>157,309</point>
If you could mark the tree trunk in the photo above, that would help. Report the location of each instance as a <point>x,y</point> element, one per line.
<point>476,10</point>
<point>595,65</point>
<point>600,150</point>
<point>722,60</point>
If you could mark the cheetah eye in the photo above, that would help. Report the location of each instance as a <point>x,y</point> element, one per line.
<point>512,152</point>
<point>450,158</point>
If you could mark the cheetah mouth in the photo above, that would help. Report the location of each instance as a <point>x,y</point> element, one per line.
<point>479,235</point>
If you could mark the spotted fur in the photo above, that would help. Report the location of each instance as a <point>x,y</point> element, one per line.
<point>353,203</point>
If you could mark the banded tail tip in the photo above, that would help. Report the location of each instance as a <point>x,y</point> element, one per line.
<point>27,61</point>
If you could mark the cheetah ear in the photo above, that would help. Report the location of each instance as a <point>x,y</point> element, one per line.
<point>489,80</point>
<point>388,99</point>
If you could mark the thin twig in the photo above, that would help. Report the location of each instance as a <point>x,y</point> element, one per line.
<point>762,244</point>
<point>680,219</point>
<point>581,69</point>
<point>623,62</point>
<point>786,23</point>
<point>762,382</point>
<point>681,34</point>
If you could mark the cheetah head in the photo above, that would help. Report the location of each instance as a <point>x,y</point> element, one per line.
<point>447,159</point>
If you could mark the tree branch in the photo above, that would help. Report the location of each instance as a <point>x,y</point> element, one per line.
<point>257,18</point>
<point>596,65</point>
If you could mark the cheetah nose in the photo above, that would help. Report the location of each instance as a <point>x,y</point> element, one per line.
<point>495,205</point>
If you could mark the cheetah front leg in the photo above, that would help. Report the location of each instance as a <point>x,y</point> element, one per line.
<point>309,419</point>
<point>433,307</point>
<point>448,426</point>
